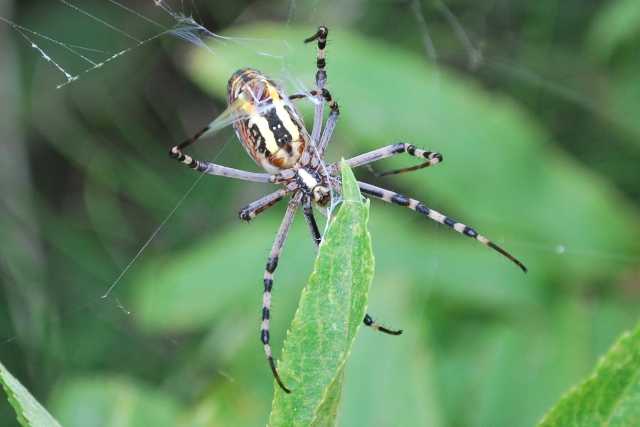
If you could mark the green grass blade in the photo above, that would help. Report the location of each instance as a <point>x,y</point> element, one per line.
<point>330,313</point>
<point>29,412</point>
<point>610,397</point>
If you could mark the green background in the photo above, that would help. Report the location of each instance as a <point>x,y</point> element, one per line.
<point>539,127</point>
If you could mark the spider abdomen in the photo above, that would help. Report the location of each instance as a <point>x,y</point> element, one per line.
<point>267,123</point>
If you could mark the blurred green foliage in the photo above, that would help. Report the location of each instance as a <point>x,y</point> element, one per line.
<point>540,142</point>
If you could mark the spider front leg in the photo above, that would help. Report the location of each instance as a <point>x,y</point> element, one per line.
<point>212,168</point>
<point>413,204</point>
<point>331,121</point>
<point>391,150</point>
<point>321,78</point>
<point>272,263</point>
<point>252,210</point>
<point>316,237</point>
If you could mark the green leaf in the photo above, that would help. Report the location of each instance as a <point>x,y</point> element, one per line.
<point>611,397</point>
<point>330,313</point>
<point>30,413</point>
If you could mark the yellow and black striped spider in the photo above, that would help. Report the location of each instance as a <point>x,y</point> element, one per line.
<point>272,131</point>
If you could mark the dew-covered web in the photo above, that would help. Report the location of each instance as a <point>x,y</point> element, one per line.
<point>447,38</point>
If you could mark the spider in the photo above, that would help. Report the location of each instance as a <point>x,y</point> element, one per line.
<point>273,133</point>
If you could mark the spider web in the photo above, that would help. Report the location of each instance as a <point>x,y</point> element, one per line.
<point>74,61</point>
<point>272,54</point>
<point>80,64</point>
<point>269,55</point>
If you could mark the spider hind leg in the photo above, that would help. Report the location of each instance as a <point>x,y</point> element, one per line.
<point>272,263</point>
<point>413,204</point>
<point>368,321</point>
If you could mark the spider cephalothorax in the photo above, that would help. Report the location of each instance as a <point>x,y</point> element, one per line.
<point>272,131</point>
